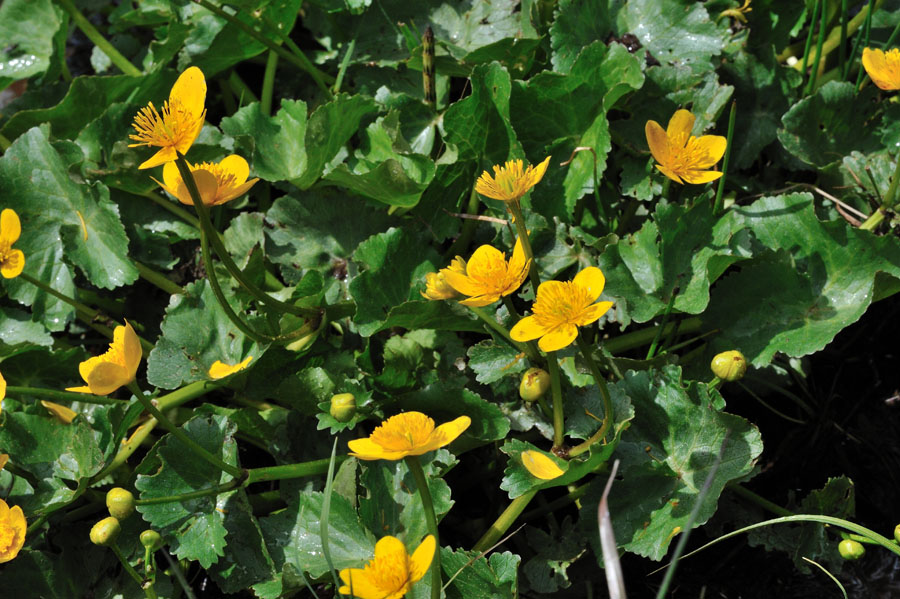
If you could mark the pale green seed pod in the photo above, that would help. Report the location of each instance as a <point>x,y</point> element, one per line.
<point>535,382</point>
<point>105,531</point>
<point>151,540</point>
<point>729,366</point>
<point>343,407</point>
<point>851,550</point>
<point>120,502</point>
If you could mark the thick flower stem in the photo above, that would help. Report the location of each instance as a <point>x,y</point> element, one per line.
<point>216,490</point>
<point>127,448</point>
<point>489,321</point>
<point>559,428</point>
<point>504,521</point>
<point>234,471</point>
<point>157,279</point>
<point>604,393</point>
<point>265,96</point>
<point>875,219</point>
<point>720,191</point>
<point>286,471</point>
<point>415,467</point>
<point>516,209</point>
<point>97,38</point>
<point>56,395</point>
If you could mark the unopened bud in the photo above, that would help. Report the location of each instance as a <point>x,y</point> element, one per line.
<point>120,502</point>
<point>343,407</point>
<point>897,533</point>
<point>850,549</point>
<point>729,366</point>
<point>535,383</point>
<point>105,532</point>
<point>151,540</point>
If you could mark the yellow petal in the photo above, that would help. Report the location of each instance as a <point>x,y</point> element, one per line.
<point>421,559</point>
<point>389,548</point>
<point>594,312</point>
<point>527,329</point>
<point>171,178</point>
<point>166,154</point>
<point>592,279</point>
<point>220,370</point>
<point>697,177</point>
<point>462,283</point>
<point>2,387</point>
<point>15,519</point>
<point>448,432</point>
<point>680,125</point>
<point>366,449</point>
<point>541,466</point>
<point>237,167</point>
<point>190,91</point>
<point>482,259</point>
<point>517,260</point>
<point>10,227</point>
<point>480,301</point>
<point>361,587</point>
<point>234,192</point>
<point>130,346</point>
<point>669,173</point>
<point>82,389</point>
<point>4,457</point>
<point>711,147</point>
<point>106,377</point>
<point>207,185</point>
<point>558,338</point>
<point>62,413</point>
<point>658,142</point>
<point>538,172</point>
<point>13,265</point>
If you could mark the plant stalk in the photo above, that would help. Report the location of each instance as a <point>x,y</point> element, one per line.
<point>415,467</point>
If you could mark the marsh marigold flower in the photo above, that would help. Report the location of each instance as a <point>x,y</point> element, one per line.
<point>679,154</point>
<point>219,369</point>
<point>883,67</point>
<point>61,413</point>
<point>510,182</point>
<point>488,276</point>
<point>391,573</point>
<point>540,466</point>
<point>11,261</point>
<point>179,124</point>
<point>436,285</point>
<point>118,366</point>
<point>561,307</point>
<point>12,531</point>
<point>217,182</point>
<point>409,433</point>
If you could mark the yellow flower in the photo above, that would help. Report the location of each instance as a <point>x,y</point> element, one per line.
<point>12,531</point>
<point>540,466</point>
<point>681,155</point>
<point>2,391</point>
<point>4,457</point>
<point>488,276</point>
<point>217,183</point>
<point>180,122</point>
<point>436,285</point>
<point>560,308</point>
<point>61,413</point>
<point>883,67</point>
<point>219,370</point>
<point>509,182</point>
<point>409,433</point>
<point>391,573</point>
<point>11,261</point>
<point>118,366</point>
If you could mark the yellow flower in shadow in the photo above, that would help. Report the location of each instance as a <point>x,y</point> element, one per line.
<point>883,67</point>
<point>219,370</point>
<point>510,182</point>
<point>682,157</point>
<point>540,466</point>
<point>488,276</point>
<point>436,285</point>
<point>217,182</point>
<point>4,457</point>
<point>11,261</point>
<point>62,413</point>
<point>560,308</point>
<point>391,573</point>
<point>118,366</point>
<point>179,124</point>
<point>409,433</point>
<point>12,531</point>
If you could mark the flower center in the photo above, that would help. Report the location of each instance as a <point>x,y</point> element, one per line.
<point>166,129</point>
<point>561,304</point>
<point>685,154</point>
<point>7,256</point>
<point>404,431</point>
<point>390,573</point>
<point>491,274</point>
<point>509,178</point>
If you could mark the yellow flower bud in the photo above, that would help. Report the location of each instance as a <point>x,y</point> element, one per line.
<point>151,540</point>
<point>105,532</point>
<point>535,383</point>
<point>343,407</point>
<point>120,502</point>
<point>850,549</point>
<point>729,366</point>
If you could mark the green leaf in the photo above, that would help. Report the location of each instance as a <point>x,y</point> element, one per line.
<point>493,577</point>
<point>195,528</point>
<point>547,571</point>
<point>817,279</point>
<point>275,145</point>
<point>825,127</point>
<point>443,401</point>
<point>27,28</point>
<point>492,361</point>
<point>665,480</point>
<point>576,24</point>
<point>195,333</point>
<point>18,330</point>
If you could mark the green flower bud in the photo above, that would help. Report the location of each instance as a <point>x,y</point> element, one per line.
<point>850,549</point>
<point>535,383</point>
<point>343,407</point>
<point>729,366</point>
<point>105,532</point>
<point>151,540</point>
<point>120,502</point>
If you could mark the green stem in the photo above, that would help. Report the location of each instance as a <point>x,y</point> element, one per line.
<point>299,61</point>
<point>834,37</point>
<point>246,94</point>
<point>175,568</point>
<point>856,42</point>
<point>875,219</point>
<point>265,97</point>
<point>126,449</point>
<point>97,38</point>
<point>504,521</point>
<point>762,502</point>
<point>642,337</point>
<point>216,490</point>
<point>63,395</point>
<point>842,59</point>
<point>652,351</point>
<point>604,393</point>
<point>182,436</point>
<point>468,228</point>
<point>157,279</point>
<point>415,467</point>
<point>131,571</point>
<point>522,231</point>
<point>287,471</point>
<point>172,207</point>
<point>496,326</point>
<point>556,391</point>
<point>720,191</point>
<point>809,34</point>
<point>811,86</point>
